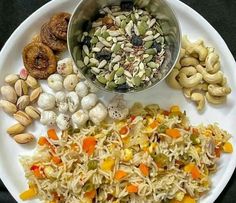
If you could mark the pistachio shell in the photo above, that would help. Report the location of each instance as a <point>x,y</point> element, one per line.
<point>16,129</point>
<point>9,94</point>
<point>8,107</point>
<point>23,138</point>
<point>32,82</point>
<point>22,102</point>
<point>21,87</point>
<point>23,118</point>
<point>32,112</point>
<point>35,94</point>
<point>11,79</point>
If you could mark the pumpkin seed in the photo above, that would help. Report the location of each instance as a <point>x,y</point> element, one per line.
<point>137,81</point>
<point>120,71</point>
<point>148,59</point>
<point>120,81</point>
<point>152,65</point>
<point>101,79</point>
<point>148,44</point>
<point>151,51</point>
<point>94,40</point>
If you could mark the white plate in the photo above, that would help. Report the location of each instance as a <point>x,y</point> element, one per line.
<point>192,24</point>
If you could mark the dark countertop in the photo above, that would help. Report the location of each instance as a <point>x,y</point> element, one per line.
<point>220,13</point>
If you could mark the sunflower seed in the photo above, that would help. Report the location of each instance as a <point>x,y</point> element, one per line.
<point>85,49</point>
<point>95,70</point>
<point>152,22</point>
<point>103,41</point>
<point>116,59</point>
<point>128,49</point>
<point>148,38</point>
<point>86,60</point>
<point>128,74</point>
<point>128,28</point>
<point>94,61</point>
<point>96,49</point>
<point>102,64</point>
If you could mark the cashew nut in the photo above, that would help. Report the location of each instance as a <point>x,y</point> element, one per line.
<point>210,78</point>
<point>200,87</point>
<point>171,79</point>
<point>189,61</point>
<point>189,82</point>
<point>199,99</point>
<point>186,43</point>
<point>215,100</point>
<point>216,90</point>
<point>212,63</point>
<point>200,50</point>
<point>181,55</point>
<point>189,71</point>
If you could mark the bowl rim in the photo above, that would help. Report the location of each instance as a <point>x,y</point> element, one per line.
<point>133,91</point>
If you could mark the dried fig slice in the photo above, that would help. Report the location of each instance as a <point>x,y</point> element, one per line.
<point>39,60</point>
<point>59,24</point>
<point>51,40</point>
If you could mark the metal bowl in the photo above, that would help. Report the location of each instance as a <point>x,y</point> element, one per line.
<point>87,10</point>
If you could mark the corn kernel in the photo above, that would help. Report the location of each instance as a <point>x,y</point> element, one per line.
<point>207,133</point>
<point>160,118</point>
<point>227,147</point>
<point>108,164</point>
<point>86,200</point>
<point>198,149</point>
<point>128,154</point>
<point>152,147</point>
<point>175,109</point>
<point>179,196</point>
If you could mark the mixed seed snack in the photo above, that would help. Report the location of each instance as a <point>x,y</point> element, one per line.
<point>124,49</point>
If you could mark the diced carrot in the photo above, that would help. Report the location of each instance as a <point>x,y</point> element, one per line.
<point>52,134</point>
<point>124,130</point>
<point>193,169</point>
<point>228,147</point>
<point>89,144</point>
<point>144,169</point>
<point>218,151</point>
<point>56,159</point>
<point>120,174</point>
<point>174,133</point>
<point>29,194</point>
<point>42,141</point>
<point>37,172</point>
<point>132,188</point>
<point>154,124</point>
<point>91,194</point>
<point>74,146</point>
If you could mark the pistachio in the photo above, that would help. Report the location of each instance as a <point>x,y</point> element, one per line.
<point>32,112</point>
<point>11,79</point>
<point>32,82</point>
<point>21,87</point>
<point>35,94</point>
<point>23,138</point>
<point>23,118</point>
<point>16,129</point>
<point>22,102</point>
<point>9,94</point>
<point>8,107</point>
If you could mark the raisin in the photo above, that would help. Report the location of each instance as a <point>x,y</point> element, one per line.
<point>86,41</point>
<point>127,5</point>
<point>136,40</point>
<point>157,46</point>
<point>123,88</point>
<point>103,55</point>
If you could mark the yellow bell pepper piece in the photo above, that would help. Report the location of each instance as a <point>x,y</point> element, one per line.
<point>228,147</point>
<point>29,194</point>
<point>128,154</point>
<point>186,199</point>
<point>108,164</point>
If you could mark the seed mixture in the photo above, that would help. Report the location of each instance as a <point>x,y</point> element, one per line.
<point>124,48</point>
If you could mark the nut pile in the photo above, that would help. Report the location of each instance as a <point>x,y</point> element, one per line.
<point>39,56</point>
<point>74,100</point>
<point>198,74</point>
<point>124,49</point>
<point>19,96</point>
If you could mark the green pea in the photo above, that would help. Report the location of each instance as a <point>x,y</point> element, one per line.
<point>148,59</point>
<point>162,128</point>
<point>137,81</point>
<point>88,186</point>
<point>120,71</point>
<point>117,48</point>
<point>161,160</point>
<point>151,51</point>
<point>148,44</point>
<point>92,165</point>
<point>101,79</point>
<point>94,40</point>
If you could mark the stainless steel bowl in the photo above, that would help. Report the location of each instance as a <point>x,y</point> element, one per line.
<point>87,10</point>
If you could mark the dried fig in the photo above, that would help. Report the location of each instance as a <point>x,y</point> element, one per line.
<point>58,25</point>
<point>39,60</point>
<point>51,40</point>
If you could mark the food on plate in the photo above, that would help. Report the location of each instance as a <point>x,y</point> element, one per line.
<point>39,60</point>
<point>73,103</point>
<point>58,25</point>
<point>50,40</point>
<point>198,74</point>
<point>38,56</point>
<point>123,49</point>
<point>152,155</point>
<point>19,93</point>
